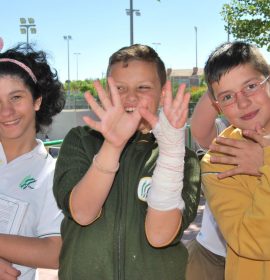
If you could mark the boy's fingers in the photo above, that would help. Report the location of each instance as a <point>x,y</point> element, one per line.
<point>168,95</point>
<point>183,119</point>
<point>258,138</point>
<point>226,174</point>
<point>235,171</point>
<point>114,92</point>
<point>186,99</point>
<point>259,128</point>
<point>229,150</point>
<point>103,97</point>
<point>223,159</point>
<point>93,124</point>
<point>93,104</point>
<point>179,95</point>
<point>148,116</point>
<point>7,271</point>
<point>230,142</point>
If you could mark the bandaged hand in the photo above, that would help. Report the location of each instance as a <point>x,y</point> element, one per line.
<point>167,179</point>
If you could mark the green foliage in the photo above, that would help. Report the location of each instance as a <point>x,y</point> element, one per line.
<point>80,87</point>
<point>196,93</point>
<point>248,20</point>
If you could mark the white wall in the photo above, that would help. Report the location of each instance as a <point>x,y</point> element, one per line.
<point>64,121</point>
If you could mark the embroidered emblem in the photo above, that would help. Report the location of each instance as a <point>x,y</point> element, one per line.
<point>27,182</point>
<point>144,187</point>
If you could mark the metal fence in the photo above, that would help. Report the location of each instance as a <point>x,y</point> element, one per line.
<point>74,102</point>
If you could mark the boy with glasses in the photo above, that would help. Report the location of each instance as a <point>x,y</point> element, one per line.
<point>238,80</point>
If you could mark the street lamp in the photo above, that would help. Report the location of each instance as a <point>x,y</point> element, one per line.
<point>26,25</point>
<point>130,12</point>
<point>67,38</point>
<point>156,44</point>
<point>77,54</point>
<point>196,47</point>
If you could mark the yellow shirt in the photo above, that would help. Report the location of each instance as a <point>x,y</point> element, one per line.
<point>241,207</point>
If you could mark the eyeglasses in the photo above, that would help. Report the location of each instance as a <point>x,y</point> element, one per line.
<point>229,98</point>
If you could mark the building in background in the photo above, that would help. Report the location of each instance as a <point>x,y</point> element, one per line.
<point>191,77</point>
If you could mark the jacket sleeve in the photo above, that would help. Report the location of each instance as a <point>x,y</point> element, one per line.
<point>74,160</point>
<point>191,189</point>
<point>241,206</point>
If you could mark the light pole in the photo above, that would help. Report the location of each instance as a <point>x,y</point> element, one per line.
<point>77,54</point>
<point>1,43</point>
<point>25,25</point>
<point>196,46</point>
<point>130,12</point>
<point>67,38</point>
<point>156,44</point>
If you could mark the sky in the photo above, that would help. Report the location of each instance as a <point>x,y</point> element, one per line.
<point>100,27</point>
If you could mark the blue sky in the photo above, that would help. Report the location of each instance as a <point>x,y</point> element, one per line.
<point>100,27</point>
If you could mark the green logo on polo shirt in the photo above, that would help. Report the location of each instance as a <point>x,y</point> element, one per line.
<point>27,182</point>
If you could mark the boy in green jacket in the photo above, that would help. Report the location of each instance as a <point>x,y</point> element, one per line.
<point>128,186</point>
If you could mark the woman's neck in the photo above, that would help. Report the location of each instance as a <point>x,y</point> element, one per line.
<point>14,148</point>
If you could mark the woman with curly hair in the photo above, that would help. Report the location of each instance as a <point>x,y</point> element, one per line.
<point>30,95</point>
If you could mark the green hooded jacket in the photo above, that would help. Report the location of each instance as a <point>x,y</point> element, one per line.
<point>115,247</point>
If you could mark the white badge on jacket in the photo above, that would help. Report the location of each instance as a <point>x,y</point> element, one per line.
<point>144,187</point>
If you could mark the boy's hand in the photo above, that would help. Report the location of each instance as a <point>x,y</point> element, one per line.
<point>175,109</point>
<point>7,272</point>
<point>259,135</point>
<point>247,156</point>
<point>116,125</point>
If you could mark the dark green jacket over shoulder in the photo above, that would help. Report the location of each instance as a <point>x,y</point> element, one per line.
<point>114,247</point>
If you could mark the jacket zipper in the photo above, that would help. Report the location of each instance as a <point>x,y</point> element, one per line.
<point>121,224</point>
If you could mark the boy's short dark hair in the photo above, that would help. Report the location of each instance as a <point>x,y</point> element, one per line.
<point>138,52</point>
<point>230,55</point>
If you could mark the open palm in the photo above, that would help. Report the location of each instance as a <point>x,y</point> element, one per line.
<point>115,124</point>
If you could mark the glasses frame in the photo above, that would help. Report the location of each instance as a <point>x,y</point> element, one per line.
<point>260,85</point>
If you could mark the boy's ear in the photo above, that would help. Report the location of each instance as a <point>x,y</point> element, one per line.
<point>217,107</point>
<point>215,103</point>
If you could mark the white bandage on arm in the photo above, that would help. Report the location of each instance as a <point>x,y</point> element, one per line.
<point>167,179</point>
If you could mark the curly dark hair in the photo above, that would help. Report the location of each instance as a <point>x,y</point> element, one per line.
<point>47,85</point>
<point>138,52</point>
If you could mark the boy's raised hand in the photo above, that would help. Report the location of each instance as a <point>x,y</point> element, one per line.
<point>115,124</point>
<point>175,109</point>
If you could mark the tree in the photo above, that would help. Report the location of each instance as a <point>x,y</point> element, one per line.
<point>248,20</point>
